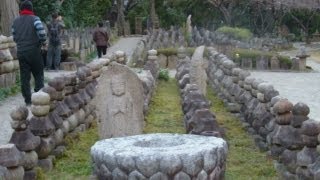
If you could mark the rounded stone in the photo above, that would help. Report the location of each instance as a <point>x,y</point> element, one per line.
<point>30,160</point>
<point>20,113</point>
<point>40,98</point>
<point>301,109</point>
<point>310,127</point>
<point>165,153</point>
<point>282,106</point>
<point>57,83</point>
<point>152,52</point>
<point>236,71</point>
<point>40,110</point>
<point>119,54</point>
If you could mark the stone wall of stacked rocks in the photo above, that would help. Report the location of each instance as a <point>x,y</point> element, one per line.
<point>202,36</point>
<point>277,126</point>
<point>63,108</point>
<point>165,39</point>
<point>198,119</point>
<point>9,63</point>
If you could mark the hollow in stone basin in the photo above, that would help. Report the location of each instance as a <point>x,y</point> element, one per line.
<point>155,143</point>
<point>164,156</point>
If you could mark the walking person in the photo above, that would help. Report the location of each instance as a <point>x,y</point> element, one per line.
<point>29,35</point>
<point>54,49</point>
<point>101,38</point>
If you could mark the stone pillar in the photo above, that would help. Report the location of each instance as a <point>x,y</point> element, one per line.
<point>40,125</point>
<point>25,141</point>
<point>138,25</point>
<point>285,140</point>
<point>152,63</point>
<point>275,64</point>
<point>7,65</point>
<point>11,161</point>
<point>302,62</point>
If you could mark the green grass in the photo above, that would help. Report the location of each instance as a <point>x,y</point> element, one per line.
<point>76,161</point>
<point>165,115</point>
<point>11,91</point>
<point>236,33</point>
<point>244,161</point>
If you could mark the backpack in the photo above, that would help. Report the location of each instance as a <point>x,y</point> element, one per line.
<point>54,34</point>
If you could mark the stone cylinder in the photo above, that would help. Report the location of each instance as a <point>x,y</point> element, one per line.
<point>164,156</point>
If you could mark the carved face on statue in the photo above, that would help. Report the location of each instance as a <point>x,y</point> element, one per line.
<point>118,85</point>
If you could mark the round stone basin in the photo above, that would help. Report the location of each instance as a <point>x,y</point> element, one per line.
<point>164,156</point>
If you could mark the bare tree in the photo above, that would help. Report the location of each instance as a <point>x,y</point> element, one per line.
<point>8,12</point>
<point>225,7</point>
<point>120,17</point>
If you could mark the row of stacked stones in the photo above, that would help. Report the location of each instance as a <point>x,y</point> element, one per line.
<point>275,123</point>
<point>248,97</point>
<point>8,62</point>
<point>294,141</point>
<point>164,39</point>
<point>202,36</point>
<point>198,119</point>
<point>62,108</point>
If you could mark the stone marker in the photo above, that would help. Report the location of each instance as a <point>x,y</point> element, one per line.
<point>120,103</point>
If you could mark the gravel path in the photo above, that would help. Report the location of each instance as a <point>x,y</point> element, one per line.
<point>297,86</point>
<point>127,45</point>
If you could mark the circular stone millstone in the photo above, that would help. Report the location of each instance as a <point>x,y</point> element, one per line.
<point>165,155</point>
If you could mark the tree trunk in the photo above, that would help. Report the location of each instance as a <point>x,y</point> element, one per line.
<point>9,10</point>
<point>120,18</point>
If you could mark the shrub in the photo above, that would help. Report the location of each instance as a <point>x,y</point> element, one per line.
<point>236,33</point>
<point>164,74</point>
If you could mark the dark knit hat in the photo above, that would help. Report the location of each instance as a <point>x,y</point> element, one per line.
<point>26,4</point>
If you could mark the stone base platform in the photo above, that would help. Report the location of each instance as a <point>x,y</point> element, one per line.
<point>160,156</point>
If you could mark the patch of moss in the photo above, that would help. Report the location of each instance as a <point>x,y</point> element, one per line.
<point>76,161</point>
<point>165,115</point>
<point>236,33</point>
<point>244,161</point>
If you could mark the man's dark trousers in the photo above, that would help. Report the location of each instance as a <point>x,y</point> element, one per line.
<point>30,61</point>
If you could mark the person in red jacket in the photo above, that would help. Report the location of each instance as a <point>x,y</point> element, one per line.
<point>101,38</point>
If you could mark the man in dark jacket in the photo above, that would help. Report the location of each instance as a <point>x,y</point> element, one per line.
<point>101,38</point>
<point>54,49</point>
<point>29,35</point>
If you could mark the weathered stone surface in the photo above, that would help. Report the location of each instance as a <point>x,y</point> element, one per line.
<point>310,127</point>
<point>57,83</point>
<point>20,113</point>
<point>165,153</point>
<point>40,110</point>
<point>135,175</point>
<point>45,164</point>
<point>10,156</point>
<point>307,156</point>
<point>284,119</point>
<point>282,106</point>
<point>25,140</point>
<point>40,98</point>
<point>30,174</point>
<point>297,120</point>
<point>170,165</point>
<point>30,160</point>
<point>182,175</point>
<point>301,109</point>
<point>15,173</point>
<point>287,136</point>
<point>159,176</point>
<point>197,71</point>
<point>58,151</point>
<point>41,126</point>
<point>121,109</point>
<point>46,146</point>
<point>202,120</point>
<point>118,174</point>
